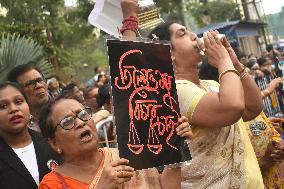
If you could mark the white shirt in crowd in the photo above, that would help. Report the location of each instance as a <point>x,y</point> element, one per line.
<point>28,157</point>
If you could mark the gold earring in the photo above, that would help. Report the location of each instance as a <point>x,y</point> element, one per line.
<point>173,59</point>
<point>59,151</point>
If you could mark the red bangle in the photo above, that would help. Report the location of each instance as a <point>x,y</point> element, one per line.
<point>129,23</point>
<point>131,19</point>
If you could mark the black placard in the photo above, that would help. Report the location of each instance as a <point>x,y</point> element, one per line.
<point>145,103</point>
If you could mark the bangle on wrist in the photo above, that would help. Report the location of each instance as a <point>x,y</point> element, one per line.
<point>243,68</point>
<point>129,23</point>
<point>131,19</point>
<point>243,75</point>
<point>227,71</point>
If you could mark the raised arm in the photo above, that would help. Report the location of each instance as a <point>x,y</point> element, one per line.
<point>129,8</point>
<point>253,99</point>
<point>271,87</point>
<point>223,108</point>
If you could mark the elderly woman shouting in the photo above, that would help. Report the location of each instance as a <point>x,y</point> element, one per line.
<point>71,132</point>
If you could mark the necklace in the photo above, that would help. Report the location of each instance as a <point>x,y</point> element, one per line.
<point>202,85</point>
<point>198,85</point>
<point>99,171</point>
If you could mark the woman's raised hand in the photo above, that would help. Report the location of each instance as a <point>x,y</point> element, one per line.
<point>278,153</point>
<point>129,8</point>
<point>274,84</point>
<point>215,51</point>
<point>115,175</point>
<point>230,50</point>
<point>274,154</point>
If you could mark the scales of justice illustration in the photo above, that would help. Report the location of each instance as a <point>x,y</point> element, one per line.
<point>143,91</point>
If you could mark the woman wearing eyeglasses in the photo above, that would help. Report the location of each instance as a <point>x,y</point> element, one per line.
<point>71,132</point>
<point>24,154</point>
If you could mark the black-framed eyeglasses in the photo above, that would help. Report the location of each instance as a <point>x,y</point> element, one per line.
<point>68,122</point>
<point>34,82</point>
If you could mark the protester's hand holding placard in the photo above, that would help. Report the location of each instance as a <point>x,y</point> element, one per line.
<point>107,16</point>
<point>145,103</point>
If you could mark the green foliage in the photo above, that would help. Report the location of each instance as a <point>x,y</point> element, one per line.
<point>68,40</point>
<point>276,23</point>
<point>85,56</point>
<point>23,11</point>
<point>25,18</point>
<point>16,50</point>
<point>219,11</point>
<point>170,9</point>
<point>168,6</point>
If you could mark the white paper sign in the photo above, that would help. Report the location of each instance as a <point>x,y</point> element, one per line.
<point>107,16</point>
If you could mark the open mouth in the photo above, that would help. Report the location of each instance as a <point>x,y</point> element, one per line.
<point>86,136</point>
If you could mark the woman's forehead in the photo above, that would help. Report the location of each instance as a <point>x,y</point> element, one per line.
<point>175,27</point>
<point>64,106</point>
<point>9,91</point>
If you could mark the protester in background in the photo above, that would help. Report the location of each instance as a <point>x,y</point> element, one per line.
<point>253,67</point>
<point>266,66</point>
<point>104,117</point>
<point>24,154</point>
<point>272,98</point>
<point>87,165</point>
<point>53,87</point>
<point>98,71</point>
<point>255,72</point>
<point>102,79</point>
<point>90,95</point>
<point>222,154</point>
<point>271,87</point>
<point>34,86</point>
<point>104,103</point>
<point>242,57</point>
<point>72,90</point>
<point>274,55</point>
<point>103,98</point>
<point>252,59</point>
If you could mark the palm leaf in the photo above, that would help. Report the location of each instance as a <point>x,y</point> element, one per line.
<point>16,50</point>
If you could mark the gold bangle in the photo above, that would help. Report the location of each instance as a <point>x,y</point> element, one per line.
<point>243,69</point>
<point>226,71</point>
<point>243,75</point>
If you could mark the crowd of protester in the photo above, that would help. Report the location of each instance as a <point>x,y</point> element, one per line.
<point>58,136</point>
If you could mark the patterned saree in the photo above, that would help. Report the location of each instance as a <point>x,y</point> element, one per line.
<point>223,158</point>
